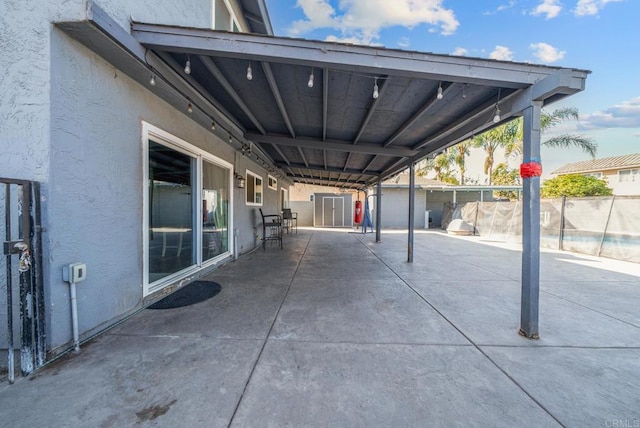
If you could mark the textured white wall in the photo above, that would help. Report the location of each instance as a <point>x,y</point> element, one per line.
<point>395,208</point>
<point>72,121</point>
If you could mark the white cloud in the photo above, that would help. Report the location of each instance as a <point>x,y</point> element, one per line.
<point>591,7</point>
<point>502,7</point>
<point>362,20</point>
<point>624,115</point>
<point>501,53</point>
<point>404,42</point>
<point>550,8</point>
<point>546,53</point>
<point>460,52</point>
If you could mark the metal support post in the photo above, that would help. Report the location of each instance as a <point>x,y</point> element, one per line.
<point>378,209</point>
<point>531,225</point>
<point>412,205</point>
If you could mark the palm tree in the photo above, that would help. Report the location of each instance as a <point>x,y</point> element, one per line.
<point>490,141</point>
<point>548,121</point>
<point>461,151</point>
<point>441,165</point>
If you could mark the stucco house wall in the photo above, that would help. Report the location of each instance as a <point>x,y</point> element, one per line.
<point>73,122</point>
<point>395,208</point>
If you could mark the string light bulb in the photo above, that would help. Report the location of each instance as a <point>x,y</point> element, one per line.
<point>440,95</point>
<point>189,108</point>
<point>310,82</point>
<point>187,66</point>
<point>376,94</point>
<point>496,118</point>
<point>152,82</point>
<point>249,72</point>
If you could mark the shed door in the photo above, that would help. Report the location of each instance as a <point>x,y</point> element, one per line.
<point>333,211</point>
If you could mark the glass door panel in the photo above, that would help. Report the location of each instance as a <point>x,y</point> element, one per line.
<point>215,210</point>
<point>171,213</point>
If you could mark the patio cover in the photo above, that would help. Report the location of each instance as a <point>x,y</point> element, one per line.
<point>335,132</point>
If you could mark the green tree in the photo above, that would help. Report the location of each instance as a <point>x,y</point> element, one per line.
<point>574,185</point>
<point>503,175</point>
<point>441,165</point>
<point>460,153</point>
<point>548,121</point>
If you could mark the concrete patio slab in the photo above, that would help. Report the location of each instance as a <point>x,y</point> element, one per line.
<point>337,330</point>
<point>122,381</point>
<point>348,385</point>
<point>360,311</point>
<point>581,386</point>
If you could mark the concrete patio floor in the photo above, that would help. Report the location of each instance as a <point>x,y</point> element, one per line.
<point>336,330</point>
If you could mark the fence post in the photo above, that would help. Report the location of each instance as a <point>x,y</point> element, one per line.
<point>606,226</point>
<point>475,221</point>
<point>563,201</point>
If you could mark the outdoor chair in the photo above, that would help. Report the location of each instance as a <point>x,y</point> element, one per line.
<point>271,228</point>
<point>290,220</point>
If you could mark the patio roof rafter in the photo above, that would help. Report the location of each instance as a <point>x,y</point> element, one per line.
<point>224,82</point>
<point>275,91</point>
<point>334,145</point>
<point>322,169</point>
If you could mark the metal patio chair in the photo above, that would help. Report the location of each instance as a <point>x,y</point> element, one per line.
<point>290,220</point>
<point>271,228</point>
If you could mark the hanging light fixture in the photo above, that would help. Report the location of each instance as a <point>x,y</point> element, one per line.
<point>496,118</point>
<point>152,81</point>
<point>187,66</point>
<point>189,108</point>
<point>213,125</point>
<point>310,82</point>
<point>249,72</point>
<point>376,94</point>
<point>440,95</point>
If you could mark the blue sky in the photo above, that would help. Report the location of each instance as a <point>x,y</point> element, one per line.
<point>598,35</point>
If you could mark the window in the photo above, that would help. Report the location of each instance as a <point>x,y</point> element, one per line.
<point>594,174</point>
<point>628,175</point>
<point>223,17</point>
<point>272,182</point>
<point>254,189</point>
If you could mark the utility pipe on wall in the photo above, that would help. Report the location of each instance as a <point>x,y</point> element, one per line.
<point>74,317</point>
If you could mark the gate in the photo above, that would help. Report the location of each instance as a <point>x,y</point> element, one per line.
<point>21,285</point>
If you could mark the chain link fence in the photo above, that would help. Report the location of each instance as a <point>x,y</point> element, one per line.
<point>606,226</point>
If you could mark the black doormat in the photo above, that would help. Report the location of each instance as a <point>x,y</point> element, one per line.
<point>196,292</point>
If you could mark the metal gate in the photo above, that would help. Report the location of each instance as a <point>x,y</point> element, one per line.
<point>21,285</point>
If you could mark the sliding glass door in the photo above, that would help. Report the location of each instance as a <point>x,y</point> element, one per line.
<point>187,211</point>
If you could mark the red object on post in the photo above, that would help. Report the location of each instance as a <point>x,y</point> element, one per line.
<point>530,170</point>
<point>357,216</point>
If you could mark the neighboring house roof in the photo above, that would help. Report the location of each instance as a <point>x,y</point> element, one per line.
<point>604,164</point>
